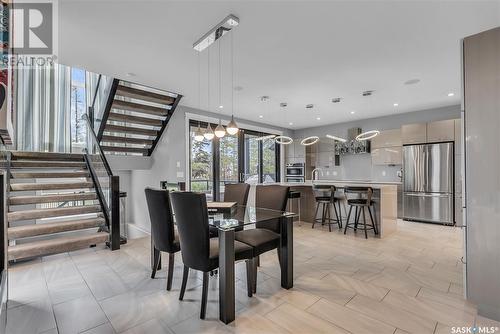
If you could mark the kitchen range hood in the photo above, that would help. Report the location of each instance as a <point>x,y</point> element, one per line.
<point>352,145</point>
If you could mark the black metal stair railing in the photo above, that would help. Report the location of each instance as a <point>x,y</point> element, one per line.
<point>106,184</point>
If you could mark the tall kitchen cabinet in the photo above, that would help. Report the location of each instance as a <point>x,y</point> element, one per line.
<point>386,148</point>
<point>481,73</point>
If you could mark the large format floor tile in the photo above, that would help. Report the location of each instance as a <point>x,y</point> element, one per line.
<point>409,282</point>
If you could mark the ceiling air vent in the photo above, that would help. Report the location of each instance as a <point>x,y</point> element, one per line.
<point>367,92</point>
<point>309,106</point>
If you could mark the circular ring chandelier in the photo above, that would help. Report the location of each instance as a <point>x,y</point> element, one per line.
<point>309,140</point>
<point>367,135</point>
<point>283,140</point>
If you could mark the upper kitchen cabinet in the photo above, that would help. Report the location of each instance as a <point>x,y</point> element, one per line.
<point>387,138</point>
<point>414,133</point>
<point>299,150</point>
<point>441,131</point>
<point>387,156</point>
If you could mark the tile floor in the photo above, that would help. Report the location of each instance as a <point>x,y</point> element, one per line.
<point>409,282</point>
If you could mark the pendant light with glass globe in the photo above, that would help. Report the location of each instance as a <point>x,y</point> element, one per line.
<point>209,132</point>
<point>232,127</point>
<point>219,130</point>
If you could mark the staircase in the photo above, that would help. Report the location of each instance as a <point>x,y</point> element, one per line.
<point>52,205</point>
<point>134,118</point>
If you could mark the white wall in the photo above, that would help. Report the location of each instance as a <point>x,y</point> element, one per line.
<point>168,159</point>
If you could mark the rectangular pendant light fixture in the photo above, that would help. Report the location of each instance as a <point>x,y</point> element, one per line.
<point>216,32</point>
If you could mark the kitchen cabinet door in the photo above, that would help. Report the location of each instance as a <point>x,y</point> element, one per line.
<point>441,131</point>
<point>387,138</point>
<point>299,150</point>
<point>387,156</point>
<point>414,133</point>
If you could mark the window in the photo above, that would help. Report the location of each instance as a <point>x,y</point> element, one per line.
<point>249,157</point>
<point>78,109</point>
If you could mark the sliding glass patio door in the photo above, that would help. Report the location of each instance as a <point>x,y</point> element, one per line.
<point>249,156</point>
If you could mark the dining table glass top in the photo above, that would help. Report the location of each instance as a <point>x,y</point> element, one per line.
<point>242,216</point>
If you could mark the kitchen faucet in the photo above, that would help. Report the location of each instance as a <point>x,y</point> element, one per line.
<point>316,170</point>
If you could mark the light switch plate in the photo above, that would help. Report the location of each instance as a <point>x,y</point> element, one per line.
<point>178,164</point>
<point>180,174</point>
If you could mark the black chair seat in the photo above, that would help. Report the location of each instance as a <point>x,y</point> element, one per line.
<point>241,252</point>
<point>262,240</point>
<point>359,201</point>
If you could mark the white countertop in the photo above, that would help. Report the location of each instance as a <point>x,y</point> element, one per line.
<point>373,184</point>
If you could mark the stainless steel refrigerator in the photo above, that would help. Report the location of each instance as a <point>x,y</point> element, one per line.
<point>428,183</point>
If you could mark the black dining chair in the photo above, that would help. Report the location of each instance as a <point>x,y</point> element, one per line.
<point>233,192</point>
<point>236,192</point>
<point>199,251</point>
<point>163,235</point>
<point>266,235</point>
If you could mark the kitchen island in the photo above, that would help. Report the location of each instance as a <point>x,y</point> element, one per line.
<point>384,197</point>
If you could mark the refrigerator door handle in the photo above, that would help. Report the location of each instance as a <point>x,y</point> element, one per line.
<point>427,195</point>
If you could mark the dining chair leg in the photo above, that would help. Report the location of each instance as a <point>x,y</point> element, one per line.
<point>156,261</point>
<point>250,275</point>
<point>185,275</point>
<point>170,274</point>
<point>347,221</point>
<point>364,222</point>
<point>204,294</point>
<point>257,261</point>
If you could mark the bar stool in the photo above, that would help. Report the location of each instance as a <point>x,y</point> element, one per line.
<point>295,195</point>
<point>363,201</point>
<point>325,196</point>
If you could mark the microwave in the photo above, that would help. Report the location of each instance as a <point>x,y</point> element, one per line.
<point>295,179</point>
<point>295,170</point>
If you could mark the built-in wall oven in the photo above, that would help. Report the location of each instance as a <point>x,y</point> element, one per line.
<point>295,172</point>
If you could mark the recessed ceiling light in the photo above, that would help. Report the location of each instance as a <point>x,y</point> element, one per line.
<point>451,94</point>
<point>353,112</point>
<point>221,107</point>
<point>318,118</point>
<point>290,123</point>
<point>336,99</point>
<point>412,82</point>
<point>396,104</point>
<point>261,116</point>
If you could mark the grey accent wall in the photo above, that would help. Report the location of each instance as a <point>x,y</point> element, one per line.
<point>359,167</point>
<point>168,159</point>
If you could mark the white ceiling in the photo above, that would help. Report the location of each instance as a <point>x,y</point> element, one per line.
<point>297,52</point>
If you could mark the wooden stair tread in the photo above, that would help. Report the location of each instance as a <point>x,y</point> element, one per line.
<point>129,129</point>
<point>141,94</point>
<point>124,149</point>
<point>134,119</point>
<point>56,227</point>
<point>139,108</point>
<point>53,246</point>
<point>50,186</point>
<point>128,140</point>
<point>25,155</point>
<point>47,164</point>
<point>43,175</point>
<point>49,213</point>
<point>21,200</point>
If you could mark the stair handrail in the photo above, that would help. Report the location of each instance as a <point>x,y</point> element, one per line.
<point>110,208</point>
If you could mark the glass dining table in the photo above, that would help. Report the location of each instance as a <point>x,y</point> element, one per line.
<point>246,217</point>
